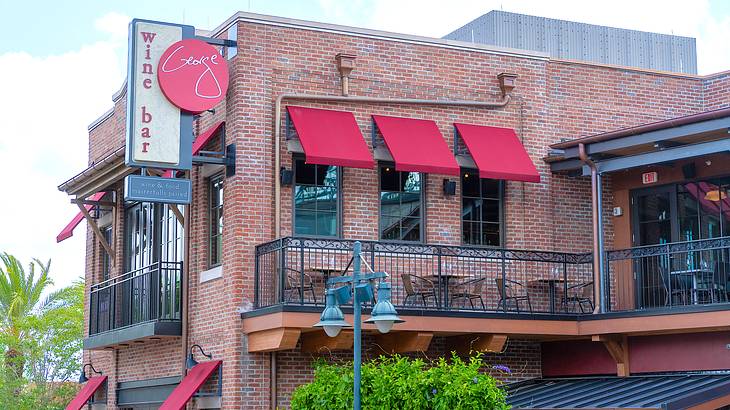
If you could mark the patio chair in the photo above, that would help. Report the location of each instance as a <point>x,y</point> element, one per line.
<point>468,290</point>
<point>579,294</point>
<point>512,291</point>
<point>676,286</point>
<point>300,283</point>
<point>417,288</point>
<point>712,286</point>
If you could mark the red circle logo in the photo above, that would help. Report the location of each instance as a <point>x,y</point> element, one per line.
<point>193,75</point>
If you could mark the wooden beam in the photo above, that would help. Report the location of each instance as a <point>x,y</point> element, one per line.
<point>282,338</point>
<point>175,210</point>
<point>618,348</point>
<point>319,342</point>
<point>403,342</point>
<point>99,203</point>
<point>466,344</point>
<point>97,232</point>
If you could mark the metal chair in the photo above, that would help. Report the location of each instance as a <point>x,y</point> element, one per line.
<point>417,287</point>
<point>675,285</point>
<point>299,282</point>
<point>510,290</point>
<point>468,290</point>
<point>579,294</point>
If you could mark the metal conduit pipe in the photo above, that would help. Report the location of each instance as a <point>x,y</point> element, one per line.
<point>184,282</point>
<point>596,227</point>
<point>351,99</point>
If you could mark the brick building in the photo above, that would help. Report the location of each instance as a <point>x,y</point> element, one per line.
<point>476,192</point>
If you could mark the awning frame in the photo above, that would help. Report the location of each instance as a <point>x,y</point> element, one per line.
<point>219,393</point>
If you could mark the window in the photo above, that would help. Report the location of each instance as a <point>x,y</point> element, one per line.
<point>400,205</point>
<point>481,210</point>
<point>216,220</point>
<point>106,260</point>
<point>316,199</point>
<point>152,234</point>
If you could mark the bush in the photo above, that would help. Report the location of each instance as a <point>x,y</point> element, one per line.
<point>398,382</point>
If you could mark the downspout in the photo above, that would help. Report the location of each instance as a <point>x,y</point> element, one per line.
<point>184,283</point>
<point>596,226</point>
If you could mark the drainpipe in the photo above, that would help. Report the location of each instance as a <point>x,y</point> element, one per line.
<point>595,204</point>
<point>506,84</point>
<point>185,283</point>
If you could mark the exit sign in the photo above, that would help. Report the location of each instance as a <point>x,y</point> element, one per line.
<point>649,177</point>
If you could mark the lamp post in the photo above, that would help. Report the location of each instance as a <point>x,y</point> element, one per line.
<point>383,314</point>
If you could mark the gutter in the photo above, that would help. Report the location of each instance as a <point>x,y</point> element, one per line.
<point>595,182</point>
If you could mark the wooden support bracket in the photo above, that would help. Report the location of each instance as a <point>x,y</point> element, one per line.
<point>618,348</point>
<point>272,340</point>
<point>403,342</point>
<point>465,344</point>
<point>319,342</point>
<point>99,235</point>
<point>175,210</point>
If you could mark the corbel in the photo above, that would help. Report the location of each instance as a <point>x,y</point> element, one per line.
<point>618,348</point>
<point>97,231</point>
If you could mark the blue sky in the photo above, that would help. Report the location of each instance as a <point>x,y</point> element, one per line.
<point>61,61</point>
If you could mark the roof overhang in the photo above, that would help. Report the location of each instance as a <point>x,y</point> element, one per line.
<point>98,176</point>
<point>656,143</point>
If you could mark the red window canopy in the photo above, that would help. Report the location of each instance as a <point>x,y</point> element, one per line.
<point>68,230</point>
<point>416,145</point>
<point>190,384</point>
<point>86,392</point>
<point>498,153</point>
<point>330,137</point>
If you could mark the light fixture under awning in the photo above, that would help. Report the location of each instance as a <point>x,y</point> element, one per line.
<point>85,394</point>
<point>498,153</point>
<point>416,145</point>
<point>190,385</point>
<point>330,137</point>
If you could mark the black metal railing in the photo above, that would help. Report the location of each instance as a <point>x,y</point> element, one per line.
<point>668,275</point>
<point>147,294</point>
<point>294,271</point>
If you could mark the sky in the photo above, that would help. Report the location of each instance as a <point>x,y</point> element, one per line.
<point>61,61</point>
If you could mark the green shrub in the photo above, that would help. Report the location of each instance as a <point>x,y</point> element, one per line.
<point>398,382</point>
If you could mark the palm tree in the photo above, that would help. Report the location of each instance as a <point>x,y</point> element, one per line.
<point>20,301</point>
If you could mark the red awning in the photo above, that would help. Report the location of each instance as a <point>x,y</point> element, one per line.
<point>498,153</point>
<point>330,137</point>
<point>68,231</point>
<point>206,136</point>
<point>189,385</point>
<point>86,392</point>
<point>416,145</point>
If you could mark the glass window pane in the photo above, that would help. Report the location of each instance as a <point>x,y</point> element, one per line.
<point>470,209</point>
<point>305,173</point>
<point>327,199</point>
<point>411,181</point>
<point>390,203</point>
<point>490,210</point>
<point>410,204</point>
<point>490,234</point>
<point>490,188</point>
<point>305,197</point>
<point>654,207</point>
<point>327,175</point>
<point>389,227</point>
<point>326,223</point>
<point>305,222</point>
<point>389,179</point>
<point>470,233</point>
<point>470,184</point>
<point>411,229</point>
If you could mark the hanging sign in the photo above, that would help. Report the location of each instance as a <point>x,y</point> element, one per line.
<point>159,134</point>
<point>156,189</point>
<point>193,75</point>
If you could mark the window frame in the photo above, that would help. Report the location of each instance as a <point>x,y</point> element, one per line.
<point>422,198</point>
<point>338,217</point>
<point>211,183</point>
<point>502,224</point>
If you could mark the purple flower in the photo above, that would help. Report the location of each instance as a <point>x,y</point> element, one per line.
<point>502,368</point>
<point>475,380</point>
<point>434,391</point>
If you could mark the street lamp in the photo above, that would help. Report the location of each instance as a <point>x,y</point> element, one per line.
<point>82,378</point>
<point>383,315</point>
<point>191,362</point>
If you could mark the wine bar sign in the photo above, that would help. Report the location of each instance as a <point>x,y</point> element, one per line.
<point>159,133</point>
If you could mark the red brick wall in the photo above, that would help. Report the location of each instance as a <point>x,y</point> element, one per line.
<point>553,101</point>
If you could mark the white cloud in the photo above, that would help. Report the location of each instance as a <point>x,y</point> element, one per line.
<point>48,103</point>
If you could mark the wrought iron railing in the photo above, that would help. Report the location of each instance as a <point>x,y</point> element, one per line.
<point>293,271</point>
<point>669,275</point>
<point>150,293</point>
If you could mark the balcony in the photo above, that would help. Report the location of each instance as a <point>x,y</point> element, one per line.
<point>430,278</point>
<point>680,276</point>
<point>138,305</point>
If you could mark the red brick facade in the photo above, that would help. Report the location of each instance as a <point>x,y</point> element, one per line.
<point>553,100</point>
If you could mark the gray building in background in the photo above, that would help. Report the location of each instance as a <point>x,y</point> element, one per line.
<point>580,41</point>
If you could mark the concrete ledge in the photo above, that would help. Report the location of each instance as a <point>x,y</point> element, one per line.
<point>212,273</point>
<point>139,331</point>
